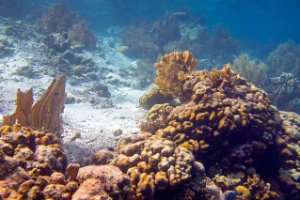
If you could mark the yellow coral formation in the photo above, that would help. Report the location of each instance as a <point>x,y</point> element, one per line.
<point>30,162</point>
<point>243,192</point>
<point>156,117</point>
<point>172,71</point>
<point>153,164</point>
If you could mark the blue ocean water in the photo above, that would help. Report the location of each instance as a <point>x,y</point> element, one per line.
<point>262,20</point>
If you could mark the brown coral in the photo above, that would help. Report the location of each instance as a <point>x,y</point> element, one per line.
<point>104,182</point>
<point>153,164</point>
<point>172,71</point>
<point>156,117</point>
<point>28,159</point>
<point>221,106</point>
<point>56,19</point>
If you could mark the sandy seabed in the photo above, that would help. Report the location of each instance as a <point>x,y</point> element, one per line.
<point>98,127</point>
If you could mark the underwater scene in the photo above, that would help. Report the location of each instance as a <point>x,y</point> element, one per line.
<point>150,100</point>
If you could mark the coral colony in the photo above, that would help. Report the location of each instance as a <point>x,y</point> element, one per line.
<point>224,132</point>
<point>221,140</point>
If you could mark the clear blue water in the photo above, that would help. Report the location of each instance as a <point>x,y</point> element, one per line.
<point>263,20</point>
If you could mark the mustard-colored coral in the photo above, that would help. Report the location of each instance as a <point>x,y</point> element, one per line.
<point>243,192</point>
<point>153,164</point>
<point>172,71</point>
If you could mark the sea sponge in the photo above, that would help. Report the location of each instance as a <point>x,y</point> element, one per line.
<point>153,164</point>
<point>172,71</point>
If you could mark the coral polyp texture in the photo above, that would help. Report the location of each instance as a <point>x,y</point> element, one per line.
<point>223,140</point>
<point>153,164</point>
<point>30,160</point>
<point>172,71</point>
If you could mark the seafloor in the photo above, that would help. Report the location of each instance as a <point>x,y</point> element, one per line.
<point>194,134</point>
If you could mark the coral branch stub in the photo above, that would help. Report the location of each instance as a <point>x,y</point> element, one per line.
<point>45,113</point>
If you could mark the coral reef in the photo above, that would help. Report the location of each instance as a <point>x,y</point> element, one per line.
<point>153,96</point>
<point>254,71</point>
<point>284,91</point>
<point>101,182</point>
<point>80,35</point>
<point>230,126</point>
<point>172,70</point>
<point>31,162</point>
<point>45,113</point>
<point>285,58</point>
<point>223,140</point>
<point>56,19</point>
<point>153,164</point>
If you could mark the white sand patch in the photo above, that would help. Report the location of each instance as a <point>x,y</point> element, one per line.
<point>96,125</point>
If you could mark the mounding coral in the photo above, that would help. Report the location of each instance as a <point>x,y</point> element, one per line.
<point>224,141</point>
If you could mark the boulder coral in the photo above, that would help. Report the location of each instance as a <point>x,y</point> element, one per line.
<point>153,164</point>
<point>31,164</point>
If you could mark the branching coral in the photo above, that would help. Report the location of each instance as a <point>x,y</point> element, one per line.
<point>172,71</point>
<point>80,35</point>
<point>254,71</point>
<point>57,19</point>
<point>285,58</point>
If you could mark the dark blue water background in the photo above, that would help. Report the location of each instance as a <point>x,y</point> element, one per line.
<point>261,20</point>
